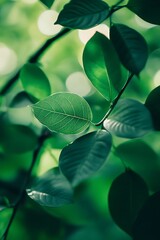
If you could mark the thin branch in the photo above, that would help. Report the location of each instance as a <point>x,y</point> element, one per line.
<point>22,192</point>
<point>33,59</point>
<point>113,104</point>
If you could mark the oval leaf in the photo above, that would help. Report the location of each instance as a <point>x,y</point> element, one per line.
<point>147,224</point>
<point>146,9</point>
<point>130,46</point>
<point>152,103</point>
<point>127,195</point>
<point>85,156</point>
<point>102,66</point>
<point>35,81</point>
<point>47,3</point>
<point>130,119</point>
<point>83,14</point>
<point>64,112</point>
<point>51,190</point>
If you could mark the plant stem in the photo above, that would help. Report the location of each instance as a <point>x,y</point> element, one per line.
<point>22,191</point>
<point>33,59</point>
<point>113,104</point>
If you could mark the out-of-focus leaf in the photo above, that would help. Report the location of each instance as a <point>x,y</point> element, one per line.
<point>17,138</point>
<point>130,46</point>
<point>20,100</point>
<point>127,195</point>
<point>147,224</point>
<point>64,112</point>
<point>130,119</point>
<point>4,220</point>
<point>47,3</point>
<point>152,103</point>
<point>84,157</point>
<point>51,190</point>
<point>102,66</point>
<point>146,9</point>
<point>35,81</point>
<point>83,14</point>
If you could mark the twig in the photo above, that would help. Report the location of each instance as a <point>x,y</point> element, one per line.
<point>33,59</point>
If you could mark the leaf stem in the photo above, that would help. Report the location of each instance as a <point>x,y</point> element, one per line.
<point>22,191</point>
<point>33,59</point>
<point>113,104</point>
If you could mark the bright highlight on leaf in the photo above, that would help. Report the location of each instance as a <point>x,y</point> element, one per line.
<point>130,46</point>
<point>127,195</point>
<point>130,119</point>
<point>34,81</point>
<point>64,113</point>
<point>51,190</point>
<point>102,66</point>
<point>84,14</point>
<point>85,156</point>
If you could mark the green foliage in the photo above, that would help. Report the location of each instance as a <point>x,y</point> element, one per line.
<point>83,14</point>
<point>64,112</point>
<point>47,3</point>
<point>130,46</point>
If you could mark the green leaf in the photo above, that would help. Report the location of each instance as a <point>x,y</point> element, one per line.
<point>130,46</point>
<point>152,103</point>
<point>85,156</point>
<point>140,157</point>
<point>47,3</point>
<point>51,190</point>
<point>34,81</point>
<point>20,100</point>
<point>146,9</point>
<point>130,119</point>
<point>17,138</point>
<point>64,112</point>
<point>5,216</point>
<point>127,195</point>
<point>102,66</point>
<point>147,225</point>
<point>84,14</point>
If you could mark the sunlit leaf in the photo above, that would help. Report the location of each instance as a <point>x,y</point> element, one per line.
<point>64,112</point>
<point>51,190</point>
<point>83,14</point>
<point>47,3</point>
<point>85,156</point>
<point>146,9</point>
<point>147,224</point>
<point>130,46</point>
<point>130,119</point>
<point>152,103</point>
<point>34,81</point>
<point>102,66</point>
<point>127,195</point>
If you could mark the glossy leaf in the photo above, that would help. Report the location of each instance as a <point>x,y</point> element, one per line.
<point>34,81</point>
<point>51,190</point>
<point>83,14</point>
<point>130,119</point>
<point>146,9</point>
<point>85,156</point>
<point>127,195</point>
<point>102,66</point>
<point>152,103</point>
<point>130,46</point>
<point>147,223</point>
<point>64,112</point>
<point>47,3</point>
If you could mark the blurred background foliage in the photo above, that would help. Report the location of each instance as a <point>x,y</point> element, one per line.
<point>24,26</point>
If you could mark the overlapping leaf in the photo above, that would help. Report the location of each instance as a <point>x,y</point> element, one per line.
<point>81,159</point>
<point>64,112</point>
<point>146,9</point>
<point>84,14</point>
<point>47,3</point>
<point>102,66</point>
<point>51,190</point>
<point>130,46</point>
<point>35,81</point>
<point>130,119</point>
<point>127,195</point>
